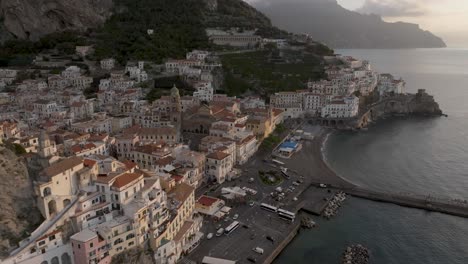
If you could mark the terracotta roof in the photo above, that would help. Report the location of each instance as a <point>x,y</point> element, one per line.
<point>177,178</point>
<point>98,137</point>
<point>245,140</point>
<point>89,163</point>
<point>183,230</point>
<point>62,166</point>
<point>77,104</point>
<point>181,192</point>
<point>164,161</point>
<point>218,155</point>
<point>207,200</point>
<point>129,164</point>
<point>126,178</point>
<point>80,148</point>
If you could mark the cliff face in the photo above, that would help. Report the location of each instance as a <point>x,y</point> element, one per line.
<point>419,104</point>
<point>18,211</point>
<point>31,19</point>
<point>328,22</point>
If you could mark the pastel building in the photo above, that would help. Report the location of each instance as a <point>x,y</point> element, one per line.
<point>89,247</point>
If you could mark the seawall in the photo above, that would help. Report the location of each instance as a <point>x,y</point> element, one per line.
<point>281,246</point>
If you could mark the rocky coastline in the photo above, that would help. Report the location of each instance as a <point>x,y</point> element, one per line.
<point>402,105</point>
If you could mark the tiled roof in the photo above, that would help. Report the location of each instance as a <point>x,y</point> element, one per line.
<point>183,230</point>
<point>62,166</point>
<point>125,179</point>
<point>89,163</point>
<point>164,161</point>
<point>207,200</point>
<point>218,155</point>
<point>181,192</point>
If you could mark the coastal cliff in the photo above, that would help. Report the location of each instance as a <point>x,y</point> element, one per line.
<point>18,211</point>
<point>418,104</point>
<point>337,27</point>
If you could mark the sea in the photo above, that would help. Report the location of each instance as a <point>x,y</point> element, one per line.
<point>427,156</point>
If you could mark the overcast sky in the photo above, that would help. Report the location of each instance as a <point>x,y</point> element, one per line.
<point>445,18</point>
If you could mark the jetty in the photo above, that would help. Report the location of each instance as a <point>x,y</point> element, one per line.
<point>429,203</point>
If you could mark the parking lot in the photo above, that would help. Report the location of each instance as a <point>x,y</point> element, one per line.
<point>257,224</point>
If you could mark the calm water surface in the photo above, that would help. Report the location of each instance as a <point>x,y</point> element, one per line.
<point>419,155</point>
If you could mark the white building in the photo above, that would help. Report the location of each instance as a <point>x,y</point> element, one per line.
<point>107,64</point>
<point>388,84</point>
<point>218,165</point>
<point>200,55</point>
<point>341,107</point>
<point>204,91</point>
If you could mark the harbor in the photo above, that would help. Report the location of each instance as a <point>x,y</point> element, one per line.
<point>318,191</point>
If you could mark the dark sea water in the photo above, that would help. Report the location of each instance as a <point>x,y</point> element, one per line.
<point>418,155</point>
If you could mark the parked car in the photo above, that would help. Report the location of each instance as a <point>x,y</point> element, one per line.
<point>253,260</point>
<point>235,217</point>
<point>322,185</point>
<point>209,236</point>
<point>220,232</point>
<point>259,250</point>
<point>251,204</point>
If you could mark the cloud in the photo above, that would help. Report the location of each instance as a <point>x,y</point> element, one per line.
<point>394,8</point>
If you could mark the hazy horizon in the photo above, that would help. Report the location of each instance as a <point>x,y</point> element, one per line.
<point>448,21</point>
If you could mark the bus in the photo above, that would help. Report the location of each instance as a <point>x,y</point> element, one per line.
<point>211,260</point>
<point>233,226</point>
<point>268,207</point>
<point>277,162</point>
<point>286,215</point>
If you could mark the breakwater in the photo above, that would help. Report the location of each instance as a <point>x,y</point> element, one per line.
<point>428,203</point>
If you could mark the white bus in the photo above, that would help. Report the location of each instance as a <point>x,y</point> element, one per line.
<point>268,207</point>
<point>277,162</point>
<point>233,226</point>
<point>211,260</point>
<point>286,215</point>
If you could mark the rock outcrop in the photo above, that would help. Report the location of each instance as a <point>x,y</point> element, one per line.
<point>32,19</point>
<point>18,211</point>
<point>419,104</point>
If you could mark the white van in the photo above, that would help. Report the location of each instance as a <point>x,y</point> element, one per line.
<point>209,236</point>
<point>220,232</point>
<point>258,250</point>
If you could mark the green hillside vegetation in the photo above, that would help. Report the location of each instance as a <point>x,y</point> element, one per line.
<point>267,71</point>
<point>21,52</point>
<point>177,24</point>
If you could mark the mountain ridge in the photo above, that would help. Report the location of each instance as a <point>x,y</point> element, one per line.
<point>330,23</point>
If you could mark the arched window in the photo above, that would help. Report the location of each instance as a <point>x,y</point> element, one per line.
<point>46,191</point>
<point>55,260</point>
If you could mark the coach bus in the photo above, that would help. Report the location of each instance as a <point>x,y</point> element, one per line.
<point>268,207</point>
<point>233,226</point>
<point>286,215</point>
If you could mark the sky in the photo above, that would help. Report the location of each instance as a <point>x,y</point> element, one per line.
<point>447,19</point>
